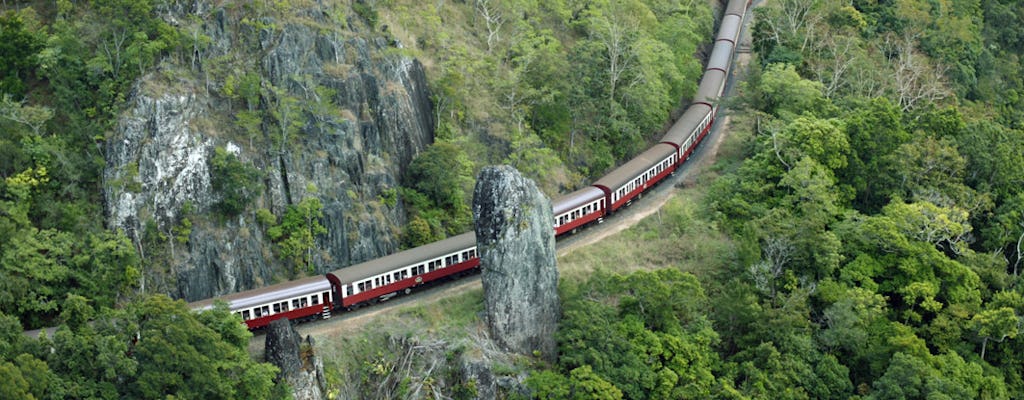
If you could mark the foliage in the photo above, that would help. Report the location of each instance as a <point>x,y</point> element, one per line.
<point>435,194</point>
<point>366,11</point>
<point>153,348</point>
<point>19,45</point>
<point>295,235</point>
<point>641,334</point>
<point>573,86</point>
<point>858,210</point>
<point>865,203</point>
<point>236,182</point>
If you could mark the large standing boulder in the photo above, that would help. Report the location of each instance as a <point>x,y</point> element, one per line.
<point>516,243</point>
<point>300,367</point>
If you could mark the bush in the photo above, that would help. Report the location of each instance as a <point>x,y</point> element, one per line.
<point>366,12</point>
<point>234,181</point>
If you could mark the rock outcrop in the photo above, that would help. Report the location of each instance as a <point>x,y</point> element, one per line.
<point>362,113</point>
<point>477,367</point>
<point>516,243</point>
<point>300,368</point>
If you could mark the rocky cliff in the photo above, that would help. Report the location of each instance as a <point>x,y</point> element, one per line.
<point>516,243</point>
<point>299,366</point>
<point>339,113</point>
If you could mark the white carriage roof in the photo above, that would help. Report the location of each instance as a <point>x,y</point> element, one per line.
<point>730,28</point>
<point>406,258</point>
<point>685,124</point>
<point>576,199</point>
<point>638,165</point>
<point>269,294</point>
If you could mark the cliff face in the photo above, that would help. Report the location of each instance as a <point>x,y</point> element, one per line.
<point>360,113</point>
<point>516,243</point>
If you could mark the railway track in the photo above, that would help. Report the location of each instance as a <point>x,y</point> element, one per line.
<point>346,322</point>
<point>652,200</point>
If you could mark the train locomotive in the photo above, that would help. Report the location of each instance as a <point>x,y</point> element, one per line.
<point>380,279</point>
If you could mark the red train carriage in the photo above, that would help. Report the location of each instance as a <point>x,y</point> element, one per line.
<point>693,124</point>
<point>577,209</point>
<point>304,298</point>
<point>625,183</point>
<point>384,277</point>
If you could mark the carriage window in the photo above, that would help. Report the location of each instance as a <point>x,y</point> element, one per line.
<point>256,311</point>
<point>303,302</point>
<point>316,299</point>
<point>266,310</point>
<point>348,290</point>
<point>284,306</point>
<point>277,308</point>
<point>245,315</point>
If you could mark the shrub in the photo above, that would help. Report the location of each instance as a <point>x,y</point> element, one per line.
<point>234,181</point>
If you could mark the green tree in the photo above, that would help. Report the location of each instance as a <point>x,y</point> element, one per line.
<point>236,182</point>
<point>996,325</point>
<point>12,384</point>
<point>436,183</point>
<point>19,46</point>
<point>785,94</point>
<point>296,234</point>
<point>945,376</point>
<point>874,131</point>
<point>179,355</point>
<point>654,344</point>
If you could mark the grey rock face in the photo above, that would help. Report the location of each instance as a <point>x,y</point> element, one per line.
<point>516,242</point>
<point>300,367</point>
<point>157,160</point>
<point>479,369</point>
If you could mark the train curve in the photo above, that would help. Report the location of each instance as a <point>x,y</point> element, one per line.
<point>401,272</point>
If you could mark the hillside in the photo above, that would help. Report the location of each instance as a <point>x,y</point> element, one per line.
<point>229,145</point>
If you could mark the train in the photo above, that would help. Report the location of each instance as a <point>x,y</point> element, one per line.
<point>380,279</point>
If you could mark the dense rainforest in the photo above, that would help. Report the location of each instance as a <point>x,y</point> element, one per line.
<point>876,224</point>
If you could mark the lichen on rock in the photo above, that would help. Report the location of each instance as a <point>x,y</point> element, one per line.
<point>299,366</point>
<point>516,243</point>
